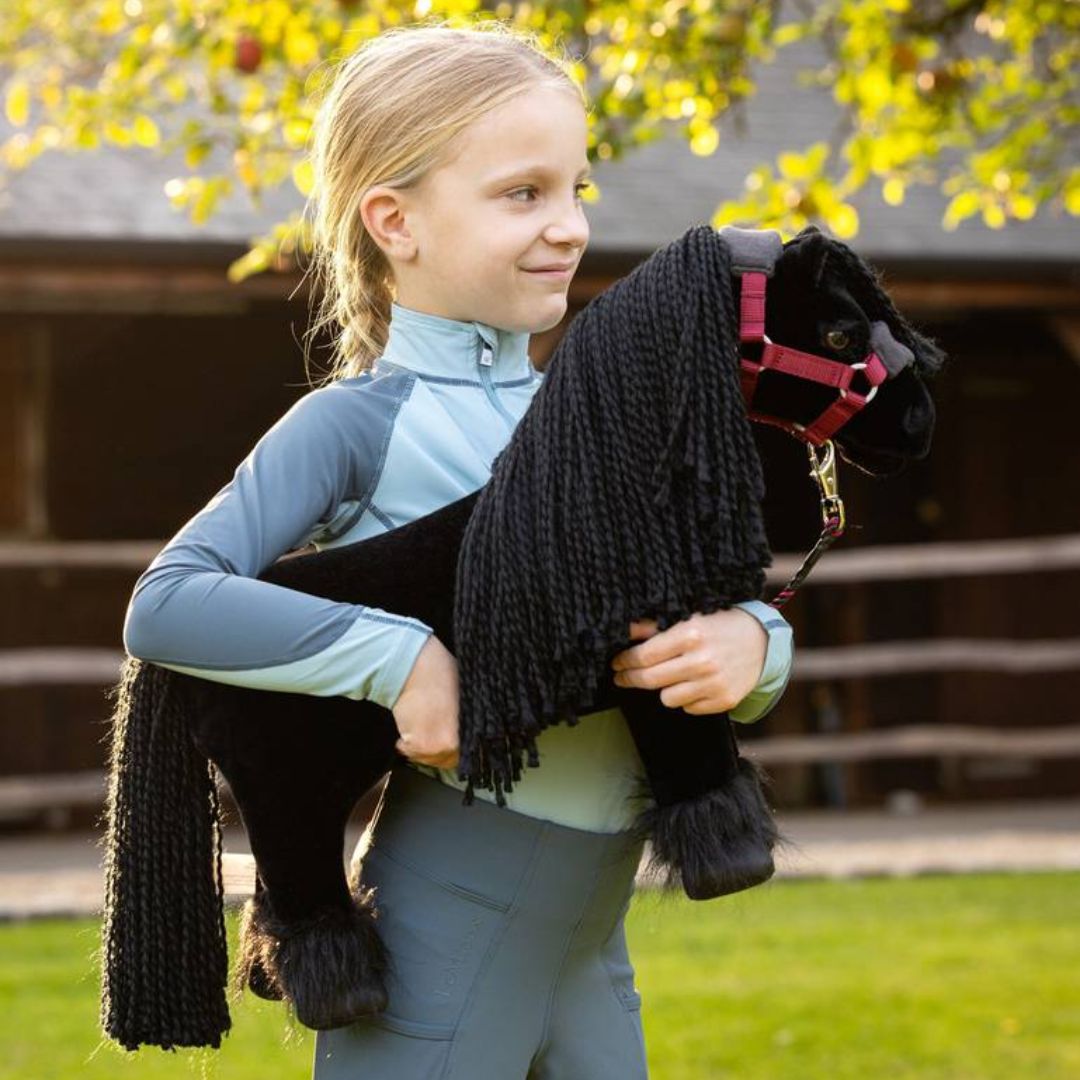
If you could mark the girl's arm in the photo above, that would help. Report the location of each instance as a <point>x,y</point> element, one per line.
<point>198,609</point>
<point>775,672</point>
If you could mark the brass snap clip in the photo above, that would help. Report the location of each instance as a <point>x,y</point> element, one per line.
<point>823,470</point>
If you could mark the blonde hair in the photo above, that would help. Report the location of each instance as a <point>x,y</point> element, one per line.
<point>392,108</point>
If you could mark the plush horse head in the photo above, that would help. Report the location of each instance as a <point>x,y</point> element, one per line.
<point>851,316</point>
<point>688,537</point>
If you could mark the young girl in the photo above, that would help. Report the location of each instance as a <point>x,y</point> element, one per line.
<point>448,170</point>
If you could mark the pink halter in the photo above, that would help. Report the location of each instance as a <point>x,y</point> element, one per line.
<point>803,365</point>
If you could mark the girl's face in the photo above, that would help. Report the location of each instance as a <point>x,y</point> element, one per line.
<point>465,242</point>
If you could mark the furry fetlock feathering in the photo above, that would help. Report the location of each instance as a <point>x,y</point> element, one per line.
<point>331,969</point>
<point>718,843</point>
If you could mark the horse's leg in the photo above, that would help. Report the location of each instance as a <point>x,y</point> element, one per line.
<point>710,829</point>
<point>304,936</point>
<point>250,971</point>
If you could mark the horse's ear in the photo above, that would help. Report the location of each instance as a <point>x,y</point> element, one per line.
<point>810,248</point>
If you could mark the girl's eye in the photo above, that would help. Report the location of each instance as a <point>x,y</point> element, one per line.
<point>520,191</point>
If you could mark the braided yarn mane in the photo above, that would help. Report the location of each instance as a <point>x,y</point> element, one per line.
<point>630,489</point>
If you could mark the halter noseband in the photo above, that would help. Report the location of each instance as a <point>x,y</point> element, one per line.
<point>753,257</point>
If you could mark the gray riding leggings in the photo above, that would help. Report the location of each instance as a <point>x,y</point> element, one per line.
<point>507,945</point>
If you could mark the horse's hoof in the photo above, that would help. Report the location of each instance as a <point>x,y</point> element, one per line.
<point>330,968</point>
<point>750,868</point>
<point>331,1010</point>
<point>718,843</point>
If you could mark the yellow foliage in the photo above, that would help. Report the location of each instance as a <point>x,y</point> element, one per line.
<point>296,131</point>
<point>110,18</point>
<point>1071,196</point>
<point>145,132</point>
<point>892,191</point>
<point>704,142</point>
<point>303,177</point>
<point>1022,207</point>
<point>252,262</point>
<point>245,168</point>
<point>194,154</point>
<point>112,69</point>
<point>874,88</point>
<point>17,104</point>
<point>117,133</point>
<point>962,206</point>
<point>793,166</point>
<point>175,86</point>
<point>301,48</point>
<point>843,220</point>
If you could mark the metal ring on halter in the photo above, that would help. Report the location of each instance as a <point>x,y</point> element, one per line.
<point>869,397</point>
<point>860,366</point>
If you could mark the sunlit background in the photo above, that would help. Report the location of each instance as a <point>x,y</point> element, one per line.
<point>925,754</point>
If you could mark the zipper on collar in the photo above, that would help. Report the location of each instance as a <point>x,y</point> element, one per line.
<point>487,358</point>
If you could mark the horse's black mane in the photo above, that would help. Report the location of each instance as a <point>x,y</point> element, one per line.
<point>560,555</point>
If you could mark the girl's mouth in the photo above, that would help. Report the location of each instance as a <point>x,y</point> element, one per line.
<point>554,275</point>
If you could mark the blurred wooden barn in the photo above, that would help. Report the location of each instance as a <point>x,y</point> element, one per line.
<point>936,643</point>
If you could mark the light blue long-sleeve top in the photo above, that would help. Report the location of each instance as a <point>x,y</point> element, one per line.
<point>354,459</point>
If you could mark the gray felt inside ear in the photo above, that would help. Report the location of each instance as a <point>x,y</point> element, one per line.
<point>752,249</point>
<point>894,355</point>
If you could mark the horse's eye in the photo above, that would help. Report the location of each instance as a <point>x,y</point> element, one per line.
<point>837,339</point>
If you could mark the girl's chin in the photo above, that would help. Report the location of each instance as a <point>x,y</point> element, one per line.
<point>555,302</point>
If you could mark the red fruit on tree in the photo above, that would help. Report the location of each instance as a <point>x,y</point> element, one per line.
<point>248,54</point>
<point>904,57</point>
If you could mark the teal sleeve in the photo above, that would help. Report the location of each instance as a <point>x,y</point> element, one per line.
<point>776,670</point>
<point>199,607</point>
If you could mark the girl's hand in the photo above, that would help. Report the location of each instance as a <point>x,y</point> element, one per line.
<point>703,664</point>
<point>426,711</point>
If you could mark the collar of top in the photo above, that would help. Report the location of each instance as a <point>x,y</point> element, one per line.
<point>454,348</point>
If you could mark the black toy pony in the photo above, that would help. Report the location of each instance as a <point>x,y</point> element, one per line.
<point>630,489</point>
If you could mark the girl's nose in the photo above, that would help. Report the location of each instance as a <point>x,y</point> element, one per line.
<point>569,227</point>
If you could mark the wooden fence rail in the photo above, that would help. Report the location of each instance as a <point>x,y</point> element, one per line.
<point>27,796</point>
<point>100,666</point>
<point>880,562</point>
<point>70,666</point>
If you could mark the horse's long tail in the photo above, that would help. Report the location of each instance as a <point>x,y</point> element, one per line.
<point>164,956</point>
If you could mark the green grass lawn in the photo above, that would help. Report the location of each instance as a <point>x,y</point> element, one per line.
<point>965,978</point>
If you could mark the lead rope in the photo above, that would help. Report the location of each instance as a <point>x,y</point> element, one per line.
<point>823,471</point>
